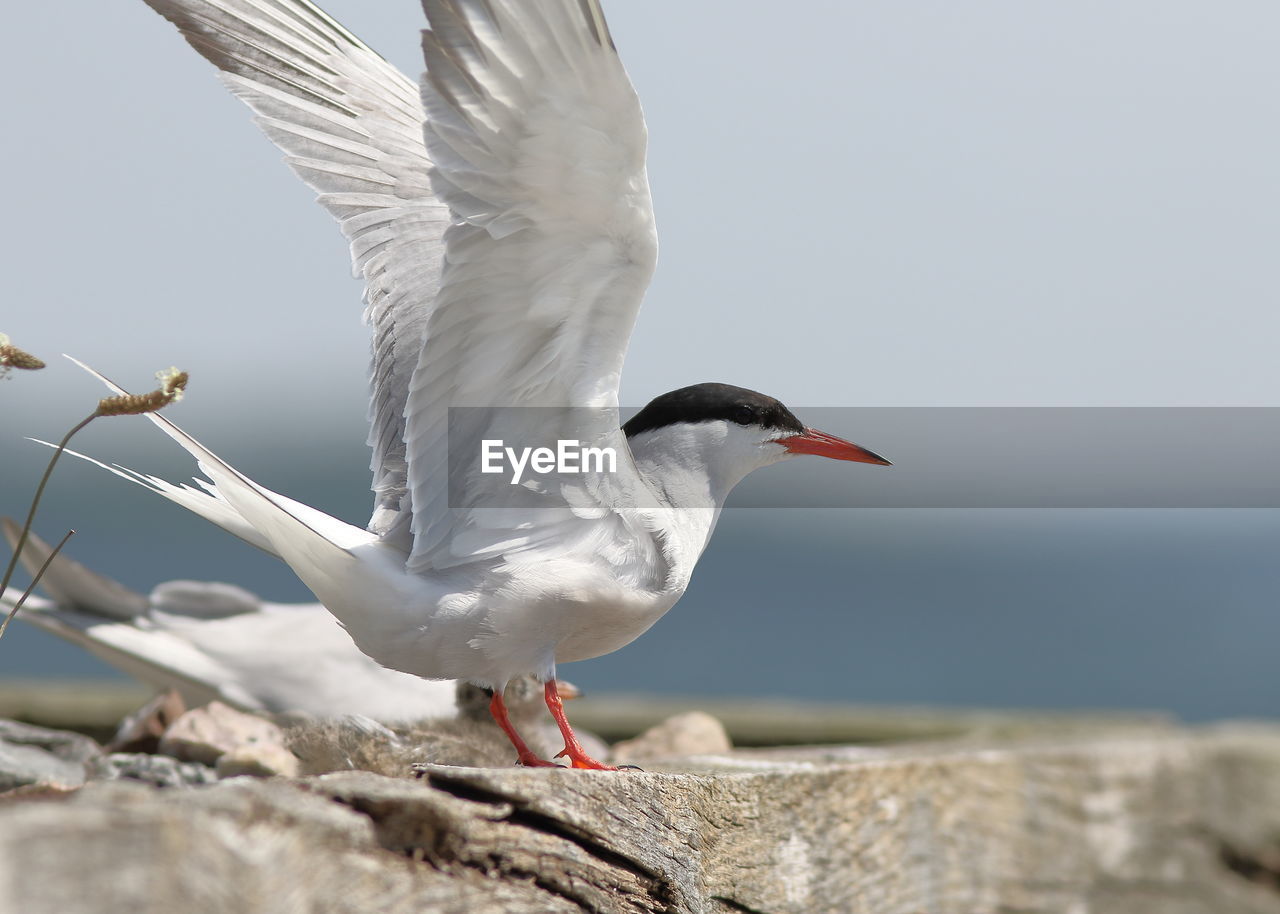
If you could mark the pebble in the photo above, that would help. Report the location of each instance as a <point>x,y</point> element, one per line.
<point>141,730</point>
<point>157,770</point>
<point>691,733</point>
<point>260,760</point>
<point>206,734</point>
<point>31,755</point>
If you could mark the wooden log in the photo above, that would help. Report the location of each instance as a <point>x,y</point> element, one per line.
<point>1175,822</point>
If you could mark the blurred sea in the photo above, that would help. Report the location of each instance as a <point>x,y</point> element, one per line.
<point>1171,609</point>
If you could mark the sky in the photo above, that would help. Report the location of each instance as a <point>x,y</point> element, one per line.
<point>859,204</point>
<point>869,204</point>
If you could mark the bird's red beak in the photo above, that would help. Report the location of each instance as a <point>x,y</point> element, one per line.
<point>812,441</point>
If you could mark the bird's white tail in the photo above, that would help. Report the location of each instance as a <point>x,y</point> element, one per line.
<point>305,538</point>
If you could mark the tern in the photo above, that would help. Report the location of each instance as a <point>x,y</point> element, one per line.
<point>212,641</point>
<point>500,216</point>
<point>209,640</point>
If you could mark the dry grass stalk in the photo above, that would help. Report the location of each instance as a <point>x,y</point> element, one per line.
<point>172,385</point>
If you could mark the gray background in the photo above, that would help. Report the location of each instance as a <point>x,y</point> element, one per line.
<point>874,204</point>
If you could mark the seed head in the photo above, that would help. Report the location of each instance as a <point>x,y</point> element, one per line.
<point>13,357</point>
<point>172,384</point>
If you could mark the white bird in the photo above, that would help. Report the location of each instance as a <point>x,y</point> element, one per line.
<point>212,641</point>
<point>502,222</point>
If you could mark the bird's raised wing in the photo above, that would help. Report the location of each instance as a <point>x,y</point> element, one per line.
<point>538,146</point>
<point>351,127</point>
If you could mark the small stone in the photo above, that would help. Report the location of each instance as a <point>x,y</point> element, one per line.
<point>141,730</point>
<point>260,760</point>
<point>38,756</point>
<point>66,745</point>
<point>691,733</point>
<point>23,766</point>
<point>157,770</point>
<point>205,734</point>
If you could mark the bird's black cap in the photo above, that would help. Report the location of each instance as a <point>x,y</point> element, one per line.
<point>709,402</point>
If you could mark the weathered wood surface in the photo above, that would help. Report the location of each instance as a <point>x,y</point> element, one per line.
<point>1179,822</point>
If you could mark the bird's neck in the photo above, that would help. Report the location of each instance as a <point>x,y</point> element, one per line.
<point>678,465</point>
<point>689,485</point>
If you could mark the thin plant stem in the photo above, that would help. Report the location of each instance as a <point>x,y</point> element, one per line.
<point>172,384</point>
<point>4,626</point>
<point>35,502</point>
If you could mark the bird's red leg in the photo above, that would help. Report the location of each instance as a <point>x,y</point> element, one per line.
<point>572,748</point>
<point>527,757</point>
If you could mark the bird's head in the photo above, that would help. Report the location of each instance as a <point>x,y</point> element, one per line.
<point>732,431</point>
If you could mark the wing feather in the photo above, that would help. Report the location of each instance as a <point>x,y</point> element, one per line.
<point>350,125</point>
<point>538,146</point>
<point>505,244</point>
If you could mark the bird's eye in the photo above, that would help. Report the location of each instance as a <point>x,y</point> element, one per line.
<point>744,415</point>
